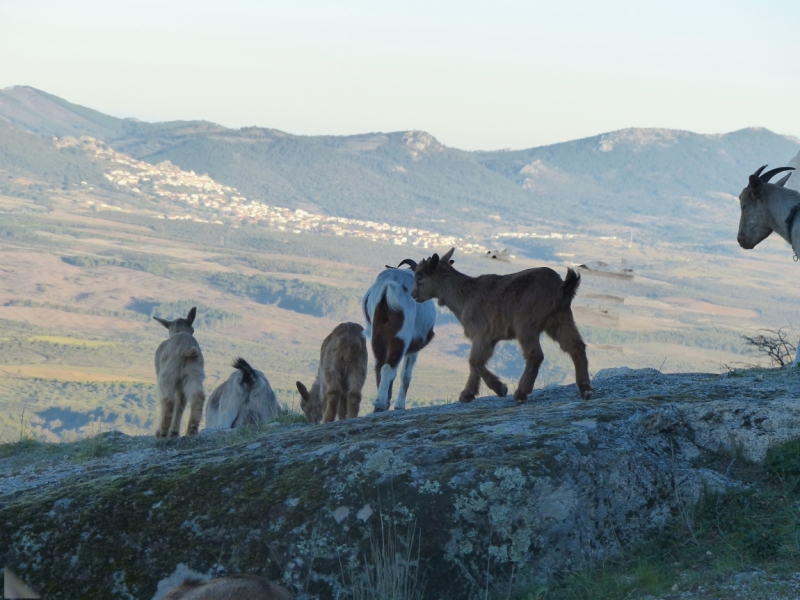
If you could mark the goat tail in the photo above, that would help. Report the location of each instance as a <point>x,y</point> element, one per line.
<point>190,352</point>
<point>569,288</point>
<point>248,373</point>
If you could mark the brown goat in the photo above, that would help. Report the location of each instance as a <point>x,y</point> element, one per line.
<point>342,371</point>
<point>518,306</point>
<point>180,373</point>
<point>236,587</point>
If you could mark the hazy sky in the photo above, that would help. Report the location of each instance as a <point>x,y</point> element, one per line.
<point>477,75</point>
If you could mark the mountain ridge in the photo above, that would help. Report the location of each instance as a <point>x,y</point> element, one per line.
<point>667,184</point>
<point>18,93</point>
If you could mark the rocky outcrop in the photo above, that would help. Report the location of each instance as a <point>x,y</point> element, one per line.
<point>494,491</point>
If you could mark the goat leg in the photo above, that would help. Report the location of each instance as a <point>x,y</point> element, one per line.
<point>479,355</point>
<point>471,389</point>
<point>353,403</point>
<point>385,379</point>
<point>330,405</point>
<point>355,382</point>
<point>474,380</point>
<point>534,356</point>
<point>196,402</point>
<point>177,414</point>
<point>167,406</point>
<point>494,383</point>
<point>565,332</point>
<point>408,369</point>
<point>341,410</point>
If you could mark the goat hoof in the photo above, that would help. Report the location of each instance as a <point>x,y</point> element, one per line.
<point>520,398</point>
<point>587,395</point>
<point>378,408</point>
<point>159,435</point>
<point>464,397</point>
<point>502,392</point>
<point>174,434</point>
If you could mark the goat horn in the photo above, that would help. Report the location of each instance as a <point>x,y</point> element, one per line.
<point>772,172</point>
<point>758,171</point>
<point>446,258</point>
<point>782,181</point>
<point>409,262</point>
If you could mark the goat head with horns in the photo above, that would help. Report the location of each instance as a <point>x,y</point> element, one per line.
<point>766,207</point>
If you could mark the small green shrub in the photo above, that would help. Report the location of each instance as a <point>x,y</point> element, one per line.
<point>783,463</point>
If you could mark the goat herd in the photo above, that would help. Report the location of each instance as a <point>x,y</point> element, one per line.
<point>400,315</point>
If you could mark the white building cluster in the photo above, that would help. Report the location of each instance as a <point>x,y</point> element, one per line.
<point>208,201</point>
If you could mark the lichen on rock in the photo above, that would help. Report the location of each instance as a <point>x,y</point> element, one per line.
<point>491,490</point>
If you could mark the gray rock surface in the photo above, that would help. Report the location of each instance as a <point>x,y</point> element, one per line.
<point>492,489</point>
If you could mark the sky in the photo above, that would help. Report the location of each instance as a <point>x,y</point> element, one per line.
<point>476,75</point>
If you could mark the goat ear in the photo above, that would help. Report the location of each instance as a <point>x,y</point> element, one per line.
<point>433,263</point>
<point>452,261</point>
<point>192,314</point>
<point>302,389</point>
<point>164,322</point>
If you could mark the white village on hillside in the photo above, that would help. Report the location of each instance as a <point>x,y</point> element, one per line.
<point>208,201</point>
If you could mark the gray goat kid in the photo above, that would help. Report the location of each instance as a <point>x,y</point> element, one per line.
<point>518,306</point>
<point>179,372</point>
<point>245,398</point>
<point>768,207</point>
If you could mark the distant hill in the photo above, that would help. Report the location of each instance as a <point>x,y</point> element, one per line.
<point>666,184</point>
<point>48,115</point>
<point>30,164</point>
<point>674,184</point>
<point>398,177</point>
<point>632,163</point>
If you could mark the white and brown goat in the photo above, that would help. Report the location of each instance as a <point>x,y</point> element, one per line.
<point>398,328</point>
<point>341,374</point>
<point>180,374</point>
<point>518,306</point>
<point>245,398</point>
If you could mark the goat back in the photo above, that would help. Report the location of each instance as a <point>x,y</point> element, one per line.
<point>245,398</point>
<point>516,302</point>
<point>177,360</point>
<point>343,353</point>
<point>394,285</point>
